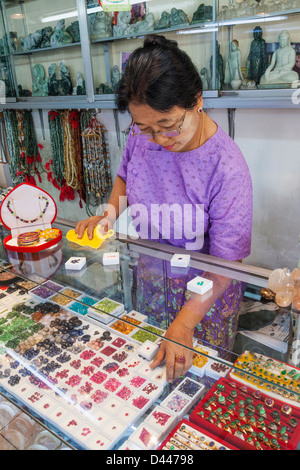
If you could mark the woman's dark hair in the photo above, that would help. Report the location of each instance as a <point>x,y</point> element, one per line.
<point>160,75</point>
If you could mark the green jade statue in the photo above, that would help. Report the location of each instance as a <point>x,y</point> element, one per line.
<point>40,82</point>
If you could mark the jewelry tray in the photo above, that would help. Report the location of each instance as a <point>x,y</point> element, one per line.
<point>200,416</point>
<point>204,437</point>
<point>253,378</point>
<point>28,208</point>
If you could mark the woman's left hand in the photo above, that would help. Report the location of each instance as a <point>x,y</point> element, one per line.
<point>178,359</point>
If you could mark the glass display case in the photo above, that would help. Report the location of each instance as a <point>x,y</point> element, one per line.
<point>80,50</point>
<point>45,48</point>
<point>78,336</point>
<point>6,77</point>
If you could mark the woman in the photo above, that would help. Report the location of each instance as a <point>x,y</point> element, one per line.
<point>177,156</point>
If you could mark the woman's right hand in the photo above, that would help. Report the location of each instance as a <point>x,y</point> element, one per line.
<point>91,223</point>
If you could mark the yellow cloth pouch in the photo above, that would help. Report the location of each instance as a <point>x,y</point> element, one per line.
<point>95,242</point>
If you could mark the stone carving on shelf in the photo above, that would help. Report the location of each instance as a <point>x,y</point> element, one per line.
<point>100,25</point>
<point>31,41</point>
<point>145,25</point>
<point>104,89</point>
<point>205,78</point>
<point>65,80</point>
<point>37,40</point>
<point>59,86</point>
<point>256,61</point>
<point>203,13</point>
<point>40,82</point>
<point>73,30</point>
<point>233,72</point>
<point>60,36</point>
<point>178,17</point>
<point>115,77</point>
<point>123,26</point>
<point>47,33</point>
<point>280,73</point>
<point>14,42</point>
<point>54,82</point>
<point>79,89</point>
<point>219,67</point>
<point>24,93</point>
<point>164,21</point>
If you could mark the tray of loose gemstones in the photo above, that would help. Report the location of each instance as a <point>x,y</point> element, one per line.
<point>247,418</point>
<point>278,379</point>
<point>86,379</point>
<point>187,436</point>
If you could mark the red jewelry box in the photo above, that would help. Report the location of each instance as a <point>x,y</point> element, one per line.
<point>28,208</point>
<point>224,387</point>
<point>198,429</point>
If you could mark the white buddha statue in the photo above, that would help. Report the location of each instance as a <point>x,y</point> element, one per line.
<point>280,70</point>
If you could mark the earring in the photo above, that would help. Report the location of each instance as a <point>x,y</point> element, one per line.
<point>200,110</point>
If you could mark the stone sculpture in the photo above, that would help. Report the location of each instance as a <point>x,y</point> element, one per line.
<point>65,80</point>
<point>219,67</point>
<point>60,36</point>
<point>40,82</point>
<point>53,82</point>
<point>164,21</point>
<point>123,26</point>
<point>233,70</point>
<point>280,72</point>
<point>101,25</point>
<point>256,61</point>
<point>178,17</point>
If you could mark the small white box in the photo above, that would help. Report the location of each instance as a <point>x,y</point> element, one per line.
<point>199,285</point>
<point>138,316</point>
<point>148,350</point>
<point>161,420</point>
<point>145,437</point>
<point>111,258</point>
<point>180,260</point>
<point>75,263</point>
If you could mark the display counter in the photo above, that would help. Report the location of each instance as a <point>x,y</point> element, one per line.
<point>77,338</point>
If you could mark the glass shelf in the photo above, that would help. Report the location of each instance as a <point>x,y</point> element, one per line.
<point>46,49</point>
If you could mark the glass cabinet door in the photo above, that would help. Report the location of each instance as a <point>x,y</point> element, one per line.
<point>7,89</point>
<point>259,44</point>
<point>115,35</point>
<point>45,46</point>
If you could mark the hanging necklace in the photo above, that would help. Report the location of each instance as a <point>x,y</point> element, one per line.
<point>13,210</point>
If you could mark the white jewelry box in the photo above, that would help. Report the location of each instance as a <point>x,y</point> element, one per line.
<point>199,285</point>
<point>75,263</point>
<point>179,260</point>
<point>111,258</point>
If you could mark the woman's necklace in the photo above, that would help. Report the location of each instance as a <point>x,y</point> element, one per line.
<point>10,203</point>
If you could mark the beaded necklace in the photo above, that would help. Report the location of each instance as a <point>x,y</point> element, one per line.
<point>96,163</point>
<point>70,164</point>
<point>25,160</point>
<point>57,143</point>
<point>13,211</point>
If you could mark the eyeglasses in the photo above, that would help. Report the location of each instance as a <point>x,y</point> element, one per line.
<point>150,135</point>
